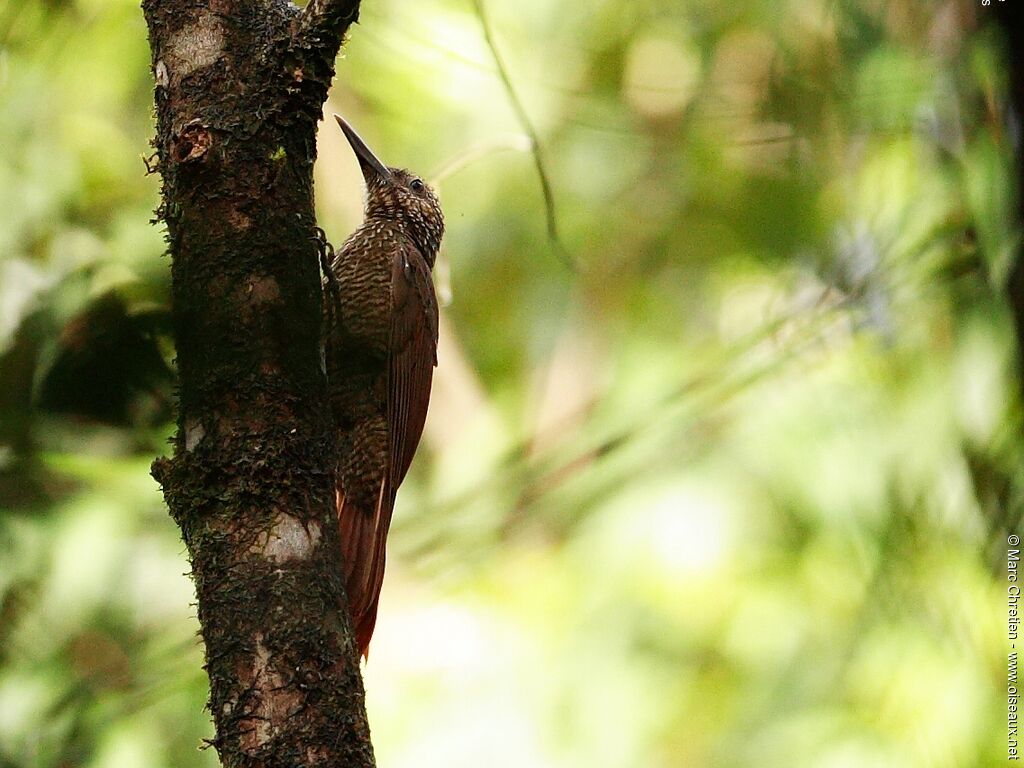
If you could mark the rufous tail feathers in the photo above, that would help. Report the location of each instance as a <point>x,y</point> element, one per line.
<point>363,538</point>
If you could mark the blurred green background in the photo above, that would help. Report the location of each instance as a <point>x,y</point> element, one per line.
<point>734,492</point>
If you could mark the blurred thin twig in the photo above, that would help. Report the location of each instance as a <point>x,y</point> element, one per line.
<point>531,131</point>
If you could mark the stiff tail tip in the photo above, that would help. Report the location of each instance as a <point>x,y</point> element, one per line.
<point>364,631</point>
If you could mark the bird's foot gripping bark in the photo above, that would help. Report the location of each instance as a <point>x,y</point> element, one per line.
<point>332,300</point>
<point>326,253</point>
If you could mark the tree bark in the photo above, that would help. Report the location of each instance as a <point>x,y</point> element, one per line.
<point>240,86</point>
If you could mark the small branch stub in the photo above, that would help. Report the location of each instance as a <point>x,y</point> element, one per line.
<point>191,143</point>
<point>323,23</point>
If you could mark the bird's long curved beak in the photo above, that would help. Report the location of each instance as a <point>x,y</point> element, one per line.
<point>367,160</point>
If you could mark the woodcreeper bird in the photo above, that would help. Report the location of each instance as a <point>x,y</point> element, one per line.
<point>380,352</point>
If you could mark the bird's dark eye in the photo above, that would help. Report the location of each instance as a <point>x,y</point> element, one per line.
<point>416,185</point>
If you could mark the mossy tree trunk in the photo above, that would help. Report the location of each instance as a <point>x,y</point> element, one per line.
<point>239,89</point>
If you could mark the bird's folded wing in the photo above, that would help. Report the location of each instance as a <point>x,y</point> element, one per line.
<point>412,358</point>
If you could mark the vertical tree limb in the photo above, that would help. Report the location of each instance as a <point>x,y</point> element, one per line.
<point>239,90</point>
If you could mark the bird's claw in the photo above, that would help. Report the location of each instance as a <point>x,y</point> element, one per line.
<point>324,248</point>
<point>326,252</point>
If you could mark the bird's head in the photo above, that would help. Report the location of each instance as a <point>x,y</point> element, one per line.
<point>399,195</point>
